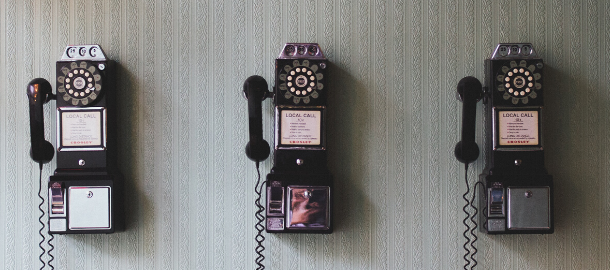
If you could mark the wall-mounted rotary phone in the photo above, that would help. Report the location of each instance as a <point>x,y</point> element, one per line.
<point>299,187</point>
<point>85,190</point>
<point>517,192</point>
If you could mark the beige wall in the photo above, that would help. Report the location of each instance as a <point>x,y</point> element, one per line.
<point>394,121</point>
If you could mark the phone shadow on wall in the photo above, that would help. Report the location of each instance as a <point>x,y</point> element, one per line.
<point>575,136</point>
<point>347,111</point>
<point>126,141</point>
<point>129,138</point>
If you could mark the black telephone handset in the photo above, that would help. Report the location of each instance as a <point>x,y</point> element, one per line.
<point>39,92</point>
<point>255,90</point>
<point>470,91</point>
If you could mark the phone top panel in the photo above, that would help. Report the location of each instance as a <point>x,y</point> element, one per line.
<point>513,50</point>
<point>301,50</point>
<point>83,52</point>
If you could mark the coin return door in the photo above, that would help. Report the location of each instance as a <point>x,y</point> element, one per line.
<point>80,208</point>
<point>529,208</point>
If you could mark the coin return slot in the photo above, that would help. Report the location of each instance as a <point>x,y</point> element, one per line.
<point>496,208</point>
<point>275,204</point>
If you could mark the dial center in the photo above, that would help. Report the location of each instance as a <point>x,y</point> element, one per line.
<point>301,81</point>
<point>79,83</point>
<point>519,82</point>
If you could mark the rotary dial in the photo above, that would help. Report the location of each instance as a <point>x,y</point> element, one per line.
<point>81,83</point>
<point>301,81</point>
<point>519,82</point>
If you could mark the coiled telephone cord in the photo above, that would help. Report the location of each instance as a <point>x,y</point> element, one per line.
<point>42,226</point>
<point>259,238</point>
<point>465,221</point>
<point>470,232</point>
<point>40,220</point>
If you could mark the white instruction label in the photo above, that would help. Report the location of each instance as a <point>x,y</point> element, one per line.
<point>81,128</point>
<point>518,128</point>
<point>300,127</point>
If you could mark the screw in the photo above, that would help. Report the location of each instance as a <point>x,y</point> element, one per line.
<point>517,162</point>
<point>300,161</point>
<point>539,65</point>
<point>90,194</point>
<point>322,65</point>
<point>529,194</point>
<point>101,66</point>
<point>81,162</point>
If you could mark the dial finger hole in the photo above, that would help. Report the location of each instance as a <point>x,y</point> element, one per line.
<point>523,93</point>
<point>507,85</point>
<point>292,89</point>
<point>530,84</point>
<point>298,92</point>
<point>309,72</point>
<point>515,70</point>
<point>298,70</point>
<point>521,70</point>
<point>289,83</point>
<point>507,79</point>
<point>292,72</point>
<point>510,73</point>
<point>312,78</point>
<point>308,89</point>
<point>527,90</point>
<point>89,79</point>
<point>70,75</point>
<point>311,84</point>
<point>530,78</point>
<point>510,90</point>
<point>527,73</point>
<point>289,78</point>
<point>86,74</point>
<point>67,80</point>
<point>70,91</point>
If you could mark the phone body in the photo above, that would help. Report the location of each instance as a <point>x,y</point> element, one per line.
<point>85,191</point>
<point>299,188</point>
<point>517,197</point>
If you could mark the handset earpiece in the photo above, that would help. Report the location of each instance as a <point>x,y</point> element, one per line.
<point>39,92</point>
<point>255,89</point>
<point>470,92</point>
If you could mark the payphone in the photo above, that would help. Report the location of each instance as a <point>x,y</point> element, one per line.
<point>299,187</point>
<point>517,192</point>
<point>85,189</point>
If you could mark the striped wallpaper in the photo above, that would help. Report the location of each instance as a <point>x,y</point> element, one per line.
<point>393,123</point>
